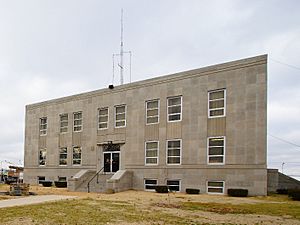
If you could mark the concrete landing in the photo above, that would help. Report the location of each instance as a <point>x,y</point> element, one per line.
<point>33,200</point>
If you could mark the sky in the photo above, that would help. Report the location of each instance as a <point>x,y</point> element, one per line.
<point>55,48</point>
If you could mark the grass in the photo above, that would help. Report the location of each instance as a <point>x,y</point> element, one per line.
<point>287,208</point>
<point>88,211</point>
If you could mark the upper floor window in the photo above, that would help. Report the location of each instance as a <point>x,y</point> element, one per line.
<point>43,126</point>
<point>120,116</point>
<point>151,152</point>
<point>42,157</point>
<point>216,150</point>
<point>63,123</point>
<point>76,155</point>
<point>174,108</point>
<point>216,103</point>
<point>63,156</point>
<point>174,152</point>
<point>152,111</point>
<point>77,125</point>
<point>103,118</point>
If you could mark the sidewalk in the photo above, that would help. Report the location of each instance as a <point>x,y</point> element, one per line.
<point>33,200</point>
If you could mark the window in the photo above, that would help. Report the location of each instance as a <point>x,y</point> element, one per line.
<point>216,150</point>
<point>103,118</point>
<point>215,187</point>
<point>152,111</point>
<point>120,119</point>
<point>173,185</point>
<point>151,152</point>
<point>42,157</point>
<point>40,179</point>
<point>63,123</point>
<point>150,184</point>
<point>77,126</point>
<point>63,179</point>
<point>76,155</point>
<point>43,126</point>
<point>63,156</point>
<point>173,152</point>
<point>174,109</point>
<point>216,103</point>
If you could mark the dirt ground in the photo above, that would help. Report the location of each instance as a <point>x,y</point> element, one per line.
<point>154,202</point>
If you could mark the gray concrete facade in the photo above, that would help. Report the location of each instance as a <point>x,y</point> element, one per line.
<point>241,129</point>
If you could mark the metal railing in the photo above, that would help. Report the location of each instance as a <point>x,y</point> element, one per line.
<point>97,174</point>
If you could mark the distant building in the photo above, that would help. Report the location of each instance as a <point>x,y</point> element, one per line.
<point>203,128</point>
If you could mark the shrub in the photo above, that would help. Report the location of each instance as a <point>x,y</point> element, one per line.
<point>192,191</point>
<point>46,183</point>
<point>237,192</point>
<point>161,189</point>
<point>294,194</point>
<point>60,184</point>
<point>282,191</point>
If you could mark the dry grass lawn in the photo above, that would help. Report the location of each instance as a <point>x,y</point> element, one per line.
<point>138,207</point>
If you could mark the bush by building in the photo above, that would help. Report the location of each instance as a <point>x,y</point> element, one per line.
<point>237,192</point>
<point>192,191</point>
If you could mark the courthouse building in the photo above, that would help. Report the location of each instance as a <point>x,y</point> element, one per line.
<point>203,128</point>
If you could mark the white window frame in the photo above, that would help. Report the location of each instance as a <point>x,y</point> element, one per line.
<point>158,110</point>
<point>213,187</point>
<point>81,125</point>
<point>157,157</point>
<point>224,151</point>
<point>45,158</point>
<point>103,108</point>
<point>181,102</point>
<point>167,156</point>
<point>125,112</point>
<point>43,131</point>
<point>208,101</point>
<point>150,184</point>
<point>76,159</point>
<point>179,184</point>
<point>61,121</point>
<point>61,154</point>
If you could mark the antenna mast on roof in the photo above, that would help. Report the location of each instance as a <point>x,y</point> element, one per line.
<point>121,55</point>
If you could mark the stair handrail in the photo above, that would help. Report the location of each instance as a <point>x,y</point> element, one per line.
<point>97,174</point>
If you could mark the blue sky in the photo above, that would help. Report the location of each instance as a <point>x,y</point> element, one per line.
<point>51,48</point>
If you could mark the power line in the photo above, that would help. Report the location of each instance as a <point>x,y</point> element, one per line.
<point>285,64</point>
<point>288,142</point>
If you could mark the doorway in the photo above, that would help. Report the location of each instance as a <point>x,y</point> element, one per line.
<point>111,161</point>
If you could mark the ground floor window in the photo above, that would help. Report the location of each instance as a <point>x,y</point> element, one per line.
<point>215,187</point>
<point>76,155</point>
<point>173,185</point>
<point>151,153</point>
<point>173,152</point>
<point>42,157</point>
<point>40,179</point>
<point>150,184</point>
<point>63,155</point>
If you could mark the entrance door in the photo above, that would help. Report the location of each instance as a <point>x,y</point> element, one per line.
<point>111,161</point>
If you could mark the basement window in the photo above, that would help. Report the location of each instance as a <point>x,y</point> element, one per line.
<point>216,103</point>
<point>173,185</point>
<point>215,187</point>
<point>43,126</point>
<point>103,118</point>
<point>150,184</point>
